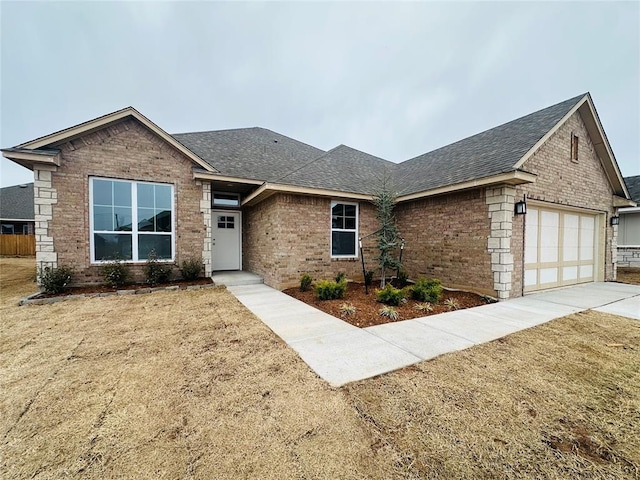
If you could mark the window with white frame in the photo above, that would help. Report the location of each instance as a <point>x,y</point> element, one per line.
<point>344,229</point>
<point>130,219</point>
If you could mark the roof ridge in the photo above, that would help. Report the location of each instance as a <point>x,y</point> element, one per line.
<point>312,161</point>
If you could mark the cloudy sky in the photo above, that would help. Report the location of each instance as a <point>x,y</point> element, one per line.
<point>392,79</point>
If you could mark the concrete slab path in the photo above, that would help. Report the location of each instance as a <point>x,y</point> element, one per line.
<point>341,353</point>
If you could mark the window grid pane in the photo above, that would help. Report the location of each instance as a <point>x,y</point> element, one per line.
<point>114,211</point>
<point>343,229</point>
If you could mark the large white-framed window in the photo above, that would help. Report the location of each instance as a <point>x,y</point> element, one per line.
<point>344,229</point>
<point>130,219</point>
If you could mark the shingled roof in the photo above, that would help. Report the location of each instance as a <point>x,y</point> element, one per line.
<point>16,202</point>
<point>633,185</point>
<point>251,153</point>
<point>261,154</point>
<point>488,153</point>
<point>342,168</point>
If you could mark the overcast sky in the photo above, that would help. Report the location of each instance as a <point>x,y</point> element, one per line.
<point>392,79</point>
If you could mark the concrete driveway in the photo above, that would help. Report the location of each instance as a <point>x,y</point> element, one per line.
<point>341,353</point>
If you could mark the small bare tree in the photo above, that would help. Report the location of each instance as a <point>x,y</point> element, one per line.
<point>388,234</point>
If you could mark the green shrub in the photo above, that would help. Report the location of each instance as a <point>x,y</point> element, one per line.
<point>389,312</point>
<point>368,277</point>
<point>115,273</point>
<point>305,282</point>
<point>55,279</point>
<point>340,277</point>
<point>427,290</point>
<point>390,295</point>
<point>329,290</point>
<point>156,272</point>
<point>191,268</point>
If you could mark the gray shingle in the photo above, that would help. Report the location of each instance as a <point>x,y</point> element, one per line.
<point>16,202</point>
<point>633,185</point>
<point>342,168</point>
<point>488,153</point>
<point>251,153</point>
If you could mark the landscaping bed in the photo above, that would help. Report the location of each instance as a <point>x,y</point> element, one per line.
<point>99,288</point>
<point>367,308</point>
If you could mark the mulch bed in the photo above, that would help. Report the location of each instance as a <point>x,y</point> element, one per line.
<point>93,289</point>
<point>367,308</point>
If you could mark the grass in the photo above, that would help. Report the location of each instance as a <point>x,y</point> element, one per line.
<point>189,384</point>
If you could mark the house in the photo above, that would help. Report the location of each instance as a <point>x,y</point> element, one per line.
<point>629,228</point>
<point>257,200</point>
<point>16,210</point>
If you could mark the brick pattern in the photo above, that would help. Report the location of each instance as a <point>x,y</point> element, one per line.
<point>288,235</point>
<point>446,238</point>
<point>629,257</point>
<point>562,182</point>
<point>45,198</point>
<point>126,150</point>
<point>205,209</point>
<point>500,202</point>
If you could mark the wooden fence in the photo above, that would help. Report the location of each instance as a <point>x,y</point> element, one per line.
<point>22,245</point>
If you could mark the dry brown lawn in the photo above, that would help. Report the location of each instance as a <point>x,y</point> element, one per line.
<point>190,385</point>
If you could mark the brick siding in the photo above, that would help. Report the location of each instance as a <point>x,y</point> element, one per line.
<point>288,235</point>
<point>446,238</point>
<point>129,151</point>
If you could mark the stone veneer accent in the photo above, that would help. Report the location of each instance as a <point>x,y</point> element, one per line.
<point>629,257</point>
<point>45,196</point>
<point>205,208</point>
<point>500,201</point>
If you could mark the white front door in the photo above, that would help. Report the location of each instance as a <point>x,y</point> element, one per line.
<point>226,240</point>
<point>561,248</point>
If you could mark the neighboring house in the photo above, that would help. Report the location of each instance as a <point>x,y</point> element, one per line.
<point>16,210</point>
<point>256,200</point>
<point>629,228</point>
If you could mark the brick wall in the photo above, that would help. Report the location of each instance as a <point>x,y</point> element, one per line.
<point>563,182</point>
<point>446,238</point>
<point>128,151</point>
<point>287,235</point>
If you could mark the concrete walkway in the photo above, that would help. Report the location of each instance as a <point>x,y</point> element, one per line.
<point>341,353</point>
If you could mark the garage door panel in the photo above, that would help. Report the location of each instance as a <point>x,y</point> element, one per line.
<point>560,248</point>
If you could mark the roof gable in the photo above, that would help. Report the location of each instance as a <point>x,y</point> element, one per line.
<point>343,169</point>
<point>492,152</point>
<point>57,138</point>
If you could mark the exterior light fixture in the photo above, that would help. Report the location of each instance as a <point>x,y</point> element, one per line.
<point>521,207</point>
<point>615,220</point>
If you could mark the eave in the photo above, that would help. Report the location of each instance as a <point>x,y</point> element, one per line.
<point>515,177</point>
<point>269,189</point>
<point>29,158</point>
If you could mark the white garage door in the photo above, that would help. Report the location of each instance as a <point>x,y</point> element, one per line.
<point>560,248</point>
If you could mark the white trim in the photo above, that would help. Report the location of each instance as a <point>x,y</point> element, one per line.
<point>134,224</point>
<point>628,246</point>
<point>268,189</point>
<point>623,211</point>
<point>355,231</point>
<point>106,120</point>
<point>225,178</point>
<point>17,220</point>
<point>214,226</point>
<point>511,178</point>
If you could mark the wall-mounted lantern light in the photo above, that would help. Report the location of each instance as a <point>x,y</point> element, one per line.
<point>615,220</point>
<point>521,207</point>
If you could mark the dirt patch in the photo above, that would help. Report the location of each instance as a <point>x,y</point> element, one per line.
<point>629,275</point>
<point>367,309</point>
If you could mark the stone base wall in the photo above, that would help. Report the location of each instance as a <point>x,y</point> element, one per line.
<point>629,257</point>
